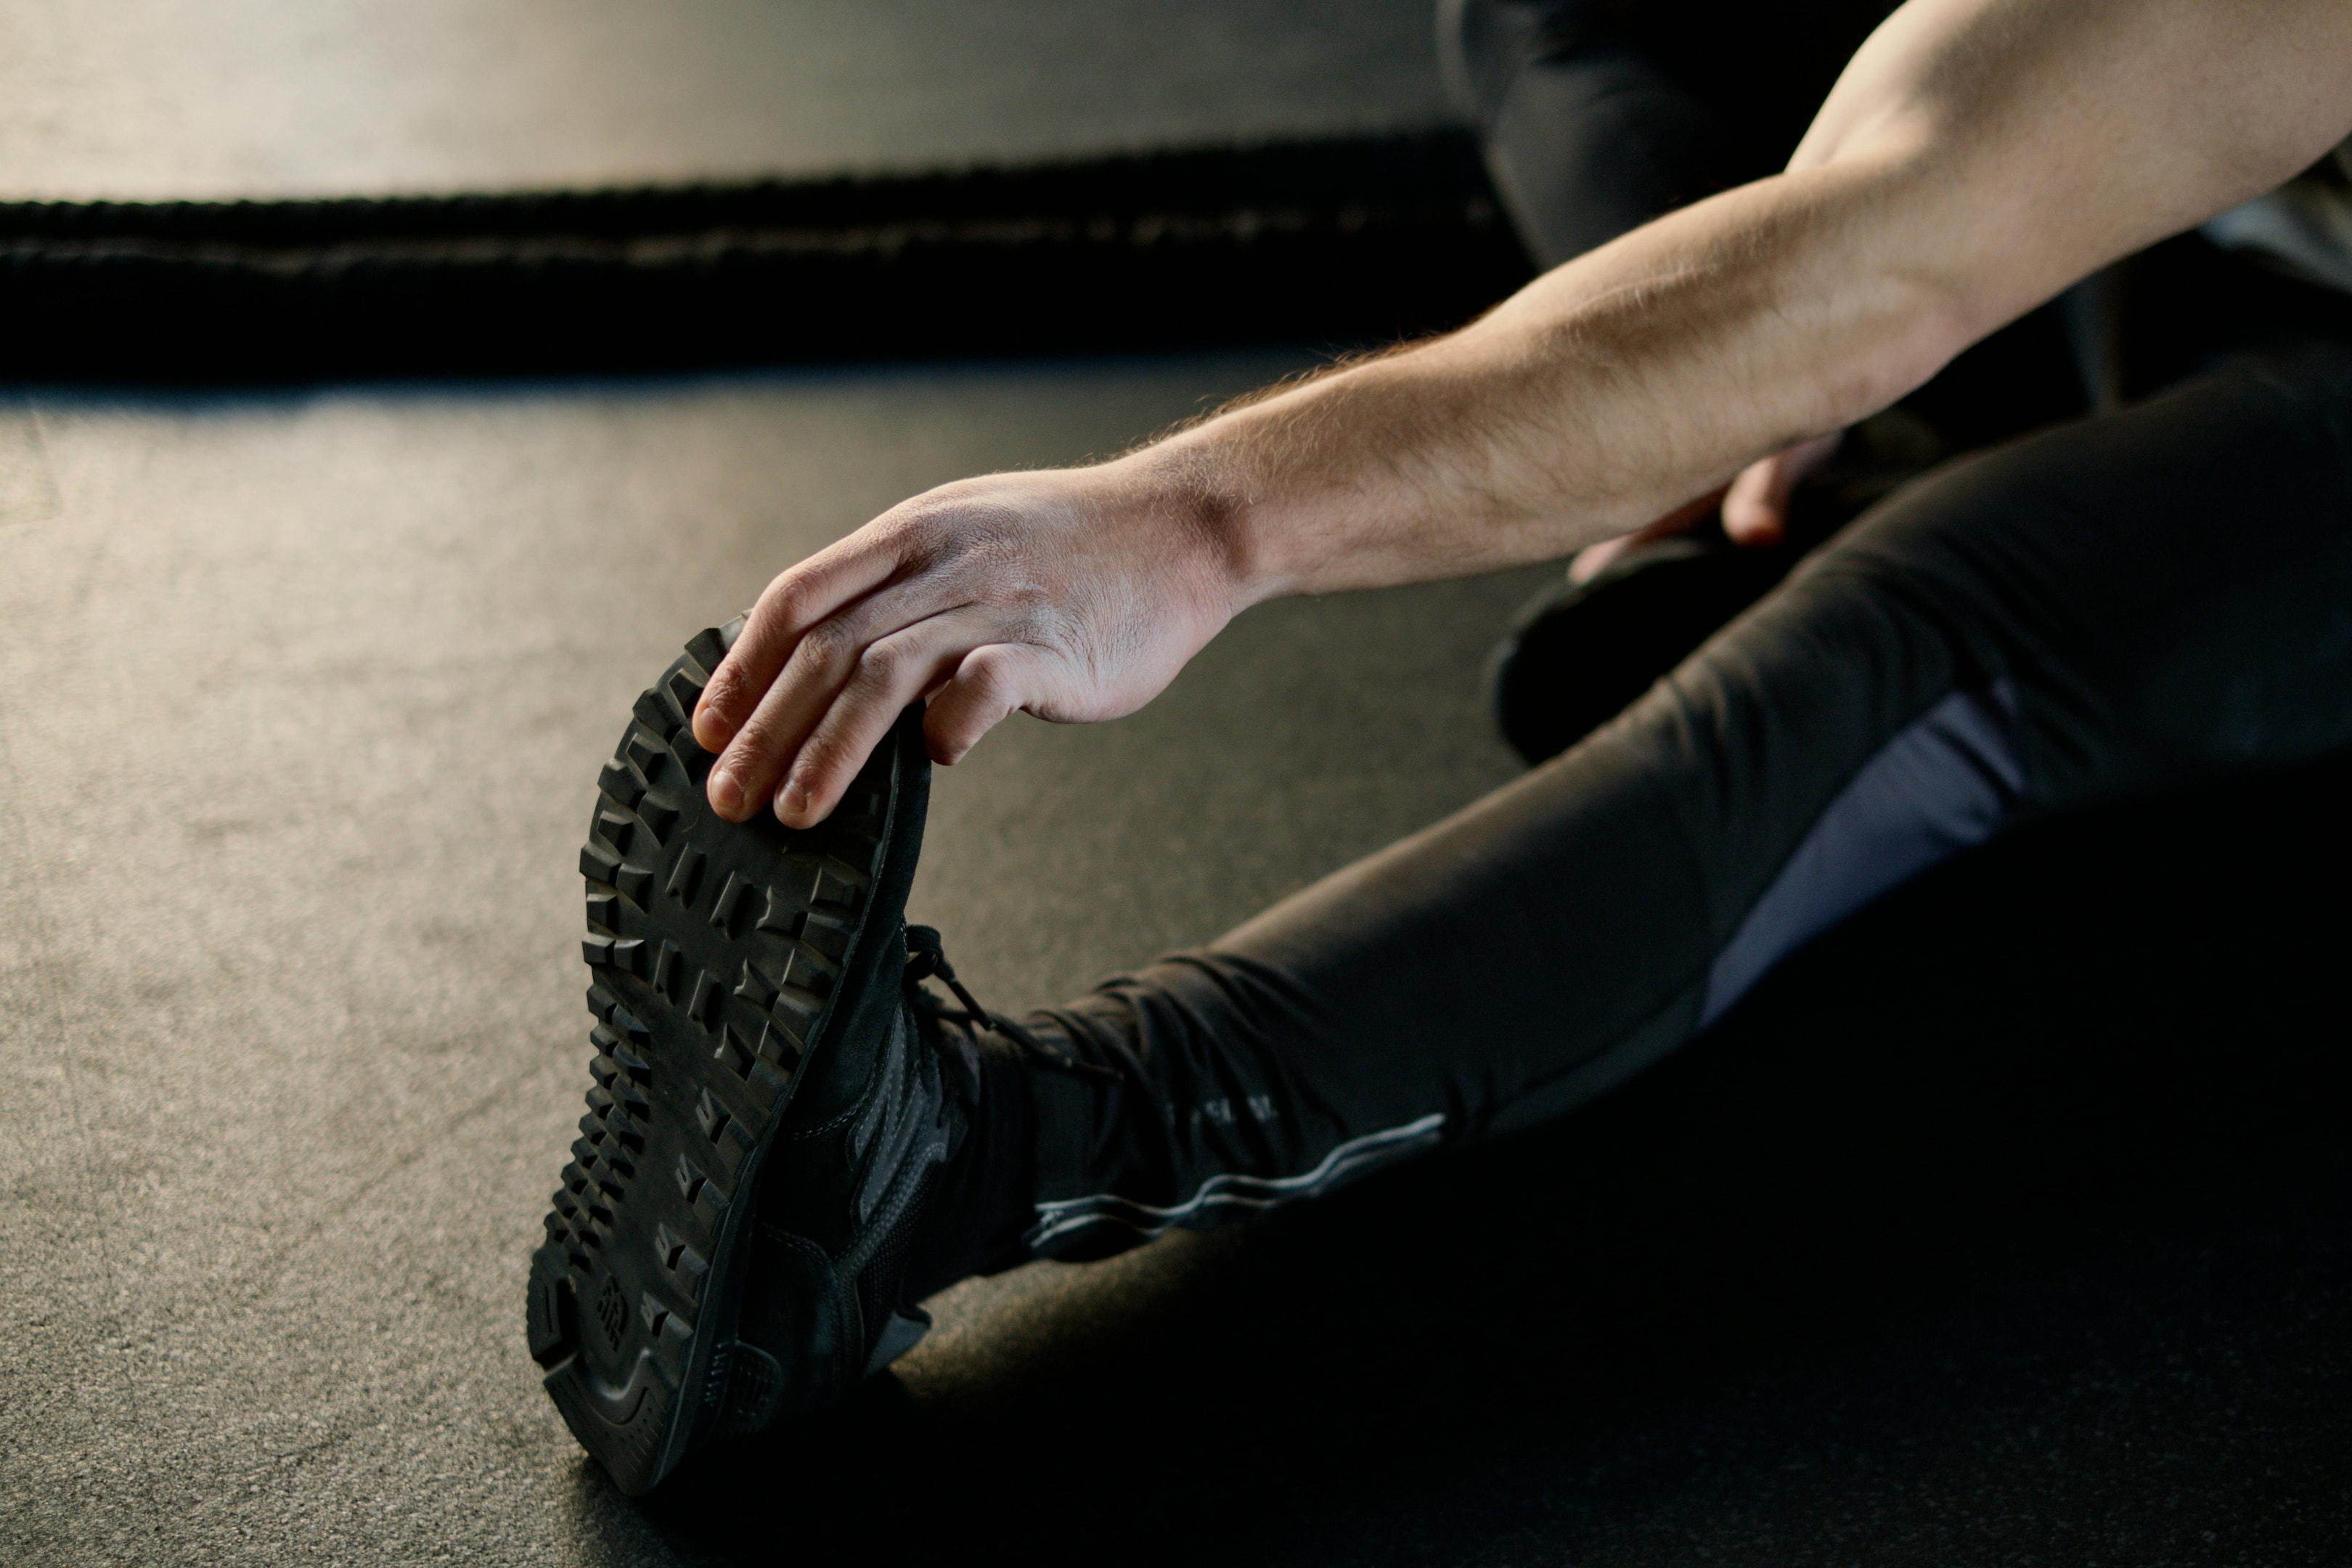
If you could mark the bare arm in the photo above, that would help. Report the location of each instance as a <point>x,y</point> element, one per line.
<point>1977,157</point>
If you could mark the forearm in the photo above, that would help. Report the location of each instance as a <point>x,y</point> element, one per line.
<point>1978,156</point>
<point>1601,396</point>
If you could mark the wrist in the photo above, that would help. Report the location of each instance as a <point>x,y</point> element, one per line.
<point>1200,488</point>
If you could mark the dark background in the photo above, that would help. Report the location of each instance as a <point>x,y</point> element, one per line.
<point>2007,1224</point>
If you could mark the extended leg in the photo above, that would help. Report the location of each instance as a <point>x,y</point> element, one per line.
<point>2124,604</point>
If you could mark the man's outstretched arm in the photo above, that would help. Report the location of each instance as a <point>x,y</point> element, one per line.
<point>1977,157</point>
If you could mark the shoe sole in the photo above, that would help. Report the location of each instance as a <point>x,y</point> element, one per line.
<point>1576,657</point>
<point>718,951</point>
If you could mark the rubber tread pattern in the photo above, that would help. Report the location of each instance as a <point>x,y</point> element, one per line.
<point>705,1016</point>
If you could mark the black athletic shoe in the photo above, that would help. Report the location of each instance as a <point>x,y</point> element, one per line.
<point>1579,652</point>
<point>1576,654</point>
<point>755,1041</point>
<point>850,1230</point>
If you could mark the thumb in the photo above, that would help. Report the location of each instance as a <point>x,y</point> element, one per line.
<point>1755,508</point>
<point>989,686</point>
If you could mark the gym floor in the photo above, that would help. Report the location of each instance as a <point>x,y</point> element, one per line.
<point>2011,1222</point>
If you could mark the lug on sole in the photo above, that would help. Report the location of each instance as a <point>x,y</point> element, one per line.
<point>714,948</point>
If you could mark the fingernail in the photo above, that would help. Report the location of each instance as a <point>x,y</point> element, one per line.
<point>725,794</point>
<point>708,732</point>
<point>792,800</point>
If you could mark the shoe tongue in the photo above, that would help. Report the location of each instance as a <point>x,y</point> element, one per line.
<point>868,999</point>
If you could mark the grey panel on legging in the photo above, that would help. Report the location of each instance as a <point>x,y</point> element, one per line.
<point>1944,784</point>
<point>2166,592</point>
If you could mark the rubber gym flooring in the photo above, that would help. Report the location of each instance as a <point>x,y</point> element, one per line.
<point>2010,1224</point>
<point>219,100</point>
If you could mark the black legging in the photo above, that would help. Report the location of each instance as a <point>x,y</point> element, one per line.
<point>1599,115</point>
<point>2134,601</point>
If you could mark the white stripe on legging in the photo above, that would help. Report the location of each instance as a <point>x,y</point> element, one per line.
<point>1065,1214</point>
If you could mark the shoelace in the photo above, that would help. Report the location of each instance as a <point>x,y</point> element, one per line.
<point>926,959</point>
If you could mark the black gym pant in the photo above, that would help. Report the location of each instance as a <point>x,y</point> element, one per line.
<point>2133,602</point>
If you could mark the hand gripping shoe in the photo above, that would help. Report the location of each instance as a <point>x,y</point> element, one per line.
<point>759,1073</point>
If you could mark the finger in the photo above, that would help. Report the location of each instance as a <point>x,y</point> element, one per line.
<point>822,662</point>
<point>1594,559</point>
<point>890,674</point>
<point>798,598</point>
<point>991,685</point>
<point>1755,508</point>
